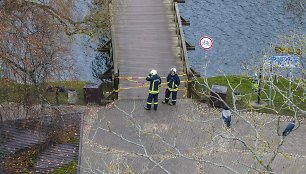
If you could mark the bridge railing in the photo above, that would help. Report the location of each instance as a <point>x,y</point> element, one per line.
<point>115,74</point>
<point>182,45</point>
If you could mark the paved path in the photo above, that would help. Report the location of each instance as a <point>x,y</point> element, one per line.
<point>145,39</point>
<point>191,126</point>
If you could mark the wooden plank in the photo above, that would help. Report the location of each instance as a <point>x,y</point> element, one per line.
<point>185,22</point>
<point>179,1</point>
<point>189,46</point>
<point>144,36</point>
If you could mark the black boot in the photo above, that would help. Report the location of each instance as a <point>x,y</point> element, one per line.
<point>172,103</point>
<point>165,101</point>
<point>155,107</point>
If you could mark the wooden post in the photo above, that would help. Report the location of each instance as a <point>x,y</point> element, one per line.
<point>56,95</point>
<point>189,85</point>
<point>116,84</point>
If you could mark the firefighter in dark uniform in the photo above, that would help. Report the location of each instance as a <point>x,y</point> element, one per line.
<point>173,82</point>
<point>155,82</point>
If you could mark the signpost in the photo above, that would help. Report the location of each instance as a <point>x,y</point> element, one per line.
<point>206,43</point>
<point>283,62</point>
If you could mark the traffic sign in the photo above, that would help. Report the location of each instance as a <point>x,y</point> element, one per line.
<point>284,61</point>
<point>206,43</point>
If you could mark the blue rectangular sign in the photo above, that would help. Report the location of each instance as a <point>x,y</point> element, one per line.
<point>284,61</point>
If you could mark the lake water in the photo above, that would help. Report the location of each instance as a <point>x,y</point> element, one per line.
<point>241,30</point>
<point>83,48</point>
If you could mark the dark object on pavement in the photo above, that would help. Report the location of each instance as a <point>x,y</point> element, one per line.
<point>289,128</point>
<point>227,116</point>
<point>217,94</point>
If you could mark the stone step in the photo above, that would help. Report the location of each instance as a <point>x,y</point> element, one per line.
<point>18,139</point>
<point>55,156</point>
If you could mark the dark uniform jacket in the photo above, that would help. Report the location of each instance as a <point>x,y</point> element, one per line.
<point>155,81</point>
<point>173,82</point>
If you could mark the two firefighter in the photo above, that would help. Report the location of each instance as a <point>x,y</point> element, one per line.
<point>173,81</point>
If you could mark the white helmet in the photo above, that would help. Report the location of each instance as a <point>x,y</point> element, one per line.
<point>153,72</point>
<point>173,69</point>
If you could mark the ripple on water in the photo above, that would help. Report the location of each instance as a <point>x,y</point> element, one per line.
<point>240,29</point>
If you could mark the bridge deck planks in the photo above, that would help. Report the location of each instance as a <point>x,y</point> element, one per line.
<point>145,39</point>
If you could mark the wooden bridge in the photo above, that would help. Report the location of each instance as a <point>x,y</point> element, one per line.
<point>147,35</point>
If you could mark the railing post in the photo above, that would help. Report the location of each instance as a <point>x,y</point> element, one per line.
<point>116,84</point>
<point>189,84</point>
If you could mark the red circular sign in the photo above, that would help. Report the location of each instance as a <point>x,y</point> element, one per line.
<point>206,43</point>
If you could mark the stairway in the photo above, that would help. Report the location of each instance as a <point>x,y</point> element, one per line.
<point>15,139</point>
<point>18,136</point>
<point>55,156</point>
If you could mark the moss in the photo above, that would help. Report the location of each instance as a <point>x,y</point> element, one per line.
<point>75,141</point>
<point>70,168</point>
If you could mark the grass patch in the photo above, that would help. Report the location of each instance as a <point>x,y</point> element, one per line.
<point>70,168</point>
<point>11,91</point>
<point>243,84</point>
<point>63,96</point>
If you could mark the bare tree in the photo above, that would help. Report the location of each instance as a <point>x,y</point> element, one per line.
<point>127,138</point>
<point>33,41</point>
<point>193,135</point>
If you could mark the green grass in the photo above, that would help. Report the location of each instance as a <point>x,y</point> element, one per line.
<point>70,168</point>
<point>243,84</point>
<point>63,97</point>
<point>11,91</point>
<point>14,92</point>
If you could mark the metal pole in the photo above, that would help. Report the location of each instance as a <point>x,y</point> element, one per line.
<point>290,79</point>
<point>271,82</point>
<point>206,87</point>
<point>259,86</point>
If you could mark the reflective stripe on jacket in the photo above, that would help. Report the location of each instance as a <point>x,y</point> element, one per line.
<point>155,81</point>
<point>173,82</point>
<point>255,85</point>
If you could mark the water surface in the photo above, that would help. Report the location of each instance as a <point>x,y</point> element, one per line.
<point>241,30</point>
